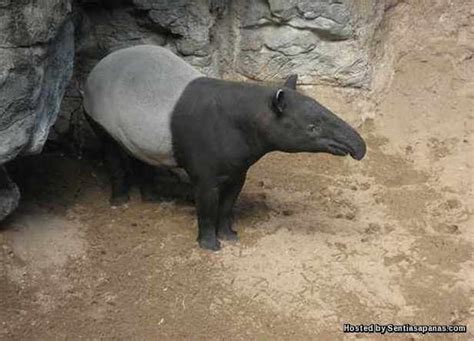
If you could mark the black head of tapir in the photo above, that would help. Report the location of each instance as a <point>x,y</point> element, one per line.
<point>301,124</point>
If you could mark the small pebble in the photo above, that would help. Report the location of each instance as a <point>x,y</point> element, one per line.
<point>453,203</point>
<point>350,216</point>
<point>452,228</point>
<point>373,228</point>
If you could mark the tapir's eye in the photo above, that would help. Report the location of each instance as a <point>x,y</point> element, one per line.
<point>314,128</point>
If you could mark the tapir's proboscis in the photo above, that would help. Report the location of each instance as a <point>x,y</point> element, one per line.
<point>149,105</point>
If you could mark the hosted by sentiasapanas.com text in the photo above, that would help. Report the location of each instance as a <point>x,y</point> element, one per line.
<point>402,328</point>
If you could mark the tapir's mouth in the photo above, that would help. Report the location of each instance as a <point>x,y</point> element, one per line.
<point>340,149</point>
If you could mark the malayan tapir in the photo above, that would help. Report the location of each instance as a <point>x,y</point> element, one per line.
<point>149,103</point>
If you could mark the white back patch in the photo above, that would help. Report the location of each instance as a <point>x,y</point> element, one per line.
<point>132,94</point>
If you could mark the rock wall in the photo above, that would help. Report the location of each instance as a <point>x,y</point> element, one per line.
<point>324,41</point>
<point>36,60</point>
<point>37,54</point>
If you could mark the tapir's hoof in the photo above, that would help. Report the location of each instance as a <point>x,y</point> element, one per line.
<point>227,234</point>
<point>209,244</point>
<point>119,200</point>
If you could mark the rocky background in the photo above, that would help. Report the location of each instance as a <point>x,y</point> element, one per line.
<point>36,63</point>
<point>42,41</point>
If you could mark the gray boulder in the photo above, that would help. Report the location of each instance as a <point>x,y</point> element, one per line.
<point>36,60</point>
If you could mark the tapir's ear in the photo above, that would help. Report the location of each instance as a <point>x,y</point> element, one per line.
<point>278,101</point>
<point>291,81</point>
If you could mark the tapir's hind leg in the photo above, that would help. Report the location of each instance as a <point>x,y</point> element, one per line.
<point>161,183</point>
<point>117,163</point>
<point>145,175</point>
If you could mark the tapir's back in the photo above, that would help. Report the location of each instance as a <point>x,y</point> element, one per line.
<point>132,93</point>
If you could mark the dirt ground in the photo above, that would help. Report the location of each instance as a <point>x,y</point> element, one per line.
<point>324,240</point>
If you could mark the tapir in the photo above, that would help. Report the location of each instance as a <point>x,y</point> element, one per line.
<point>147,103</point>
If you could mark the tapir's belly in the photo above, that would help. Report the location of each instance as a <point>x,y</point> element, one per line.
<point>132,93</point>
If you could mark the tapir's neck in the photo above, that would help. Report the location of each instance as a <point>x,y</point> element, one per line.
<point>247,106</point>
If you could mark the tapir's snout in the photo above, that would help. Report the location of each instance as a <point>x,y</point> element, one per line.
<point>345,140</point>
<point>357,146</point>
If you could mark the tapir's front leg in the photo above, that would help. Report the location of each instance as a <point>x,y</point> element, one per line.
<point>228,195</point>
<point>207,203</point>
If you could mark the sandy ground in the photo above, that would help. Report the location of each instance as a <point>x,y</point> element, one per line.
<point>324,240</point>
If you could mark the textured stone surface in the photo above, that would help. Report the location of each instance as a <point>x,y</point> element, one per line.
<point>319,40</point>
<point>325,41</point>
<point>36,53</point>
<point>36,60</point>
<point>187,20</point>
